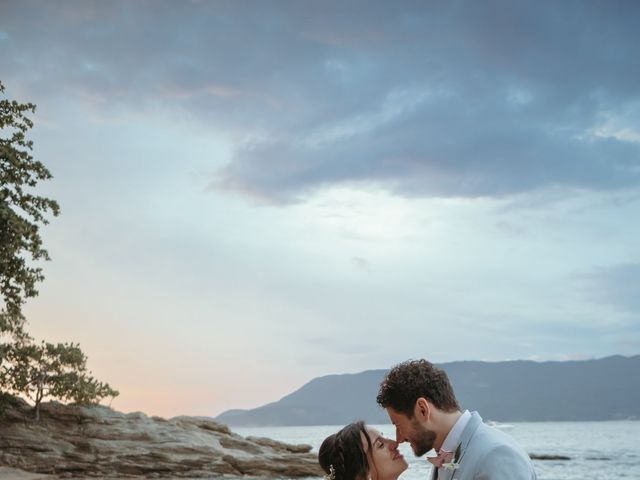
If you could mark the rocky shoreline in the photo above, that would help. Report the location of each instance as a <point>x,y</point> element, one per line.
<point>97,442</point>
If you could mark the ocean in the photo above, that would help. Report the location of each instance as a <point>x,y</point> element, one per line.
<point>597,450</point>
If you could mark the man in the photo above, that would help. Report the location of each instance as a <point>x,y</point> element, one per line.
<point>421,404</point>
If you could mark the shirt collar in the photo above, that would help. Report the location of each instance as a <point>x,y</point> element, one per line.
<point>453,438</point>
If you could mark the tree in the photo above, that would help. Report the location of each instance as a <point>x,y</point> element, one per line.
<point>36,371</point>
<point>21,213</point>
<point>48,370</point>
<point>86,390</point>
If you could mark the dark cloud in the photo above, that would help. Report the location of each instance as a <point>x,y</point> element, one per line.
<point>423,98</point>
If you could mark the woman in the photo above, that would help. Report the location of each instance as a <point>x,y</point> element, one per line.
<point>360,453</point>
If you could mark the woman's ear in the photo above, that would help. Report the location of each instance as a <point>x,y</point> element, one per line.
<point>422,410</point>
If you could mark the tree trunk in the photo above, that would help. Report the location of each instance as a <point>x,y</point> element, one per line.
<point>39,395</point>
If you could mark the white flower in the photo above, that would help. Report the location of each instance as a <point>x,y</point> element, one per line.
<point>450,466</point>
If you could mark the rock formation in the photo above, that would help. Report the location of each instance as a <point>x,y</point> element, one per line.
<point>72,441</point>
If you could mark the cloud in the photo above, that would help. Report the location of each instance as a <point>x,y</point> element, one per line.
<point>361,264</point>
<point>451,99</point>
<point>618,285</point>
<point>341,346</point>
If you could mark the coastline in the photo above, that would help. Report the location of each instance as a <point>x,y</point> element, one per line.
<point>96,442</point>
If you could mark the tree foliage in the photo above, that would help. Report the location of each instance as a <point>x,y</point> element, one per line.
<point>36,371</point>
<point>52,370</point>
<point>21,212</point>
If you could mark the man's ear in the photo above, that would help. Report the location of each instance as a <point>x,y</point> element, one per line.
<point>422,409</point>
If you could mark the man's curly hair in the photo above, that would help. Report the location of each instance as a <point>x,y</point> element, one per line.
<point>410,380</point>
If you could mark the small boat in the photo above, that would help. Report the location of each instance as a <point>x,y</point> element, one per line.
<point>501,426</point>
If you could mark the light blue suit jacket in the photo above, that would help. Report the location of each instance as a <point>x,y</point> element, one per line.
<point>488,454</point>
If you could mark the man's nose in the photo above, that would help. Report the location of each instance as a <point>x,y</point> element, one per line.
<point>399,438</point>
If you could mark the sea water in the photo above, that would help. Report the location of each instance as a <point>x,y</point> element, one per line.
<point>597,450</point>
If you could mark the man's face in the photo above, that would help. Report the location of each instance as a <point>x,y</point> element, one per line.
<point>412,431</point>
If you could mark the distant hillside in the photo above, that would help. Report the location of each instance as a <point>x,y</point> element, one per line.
<point>604,389</point>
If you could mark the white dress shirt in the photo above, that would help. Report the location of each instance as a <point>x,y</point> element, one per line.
<point>453,438</point>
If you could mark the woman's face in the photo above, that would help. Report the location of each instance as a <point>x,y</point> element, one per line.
<point>385,461</point>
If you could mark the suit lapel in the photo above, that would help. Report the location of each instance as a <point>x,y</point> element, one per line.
<point>474,422</point>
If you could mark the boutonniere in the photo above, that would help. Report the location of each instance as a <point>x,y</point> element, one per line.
<point>455,464</point>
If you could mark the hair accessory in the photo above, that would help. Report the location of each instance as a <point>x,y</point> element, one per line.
<point>332,473</point>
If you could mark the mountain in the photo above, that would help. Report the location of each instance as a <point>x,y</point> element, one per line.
<point>602,389</point>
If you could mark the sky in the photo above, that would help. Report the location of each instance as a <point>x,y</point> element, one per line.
<point>255,194</point>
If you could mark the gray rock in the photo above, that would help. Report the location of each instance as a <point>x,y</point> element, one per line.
<point>534,456</point>
<point>72,441</point>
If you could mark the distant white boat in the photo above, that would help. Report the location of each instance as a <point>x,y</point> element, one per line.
<point>501,426</point>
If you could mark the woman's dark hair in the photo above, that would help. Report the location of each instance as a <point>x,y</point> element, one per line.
<point>343,451</point>
<point>410,380</point>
